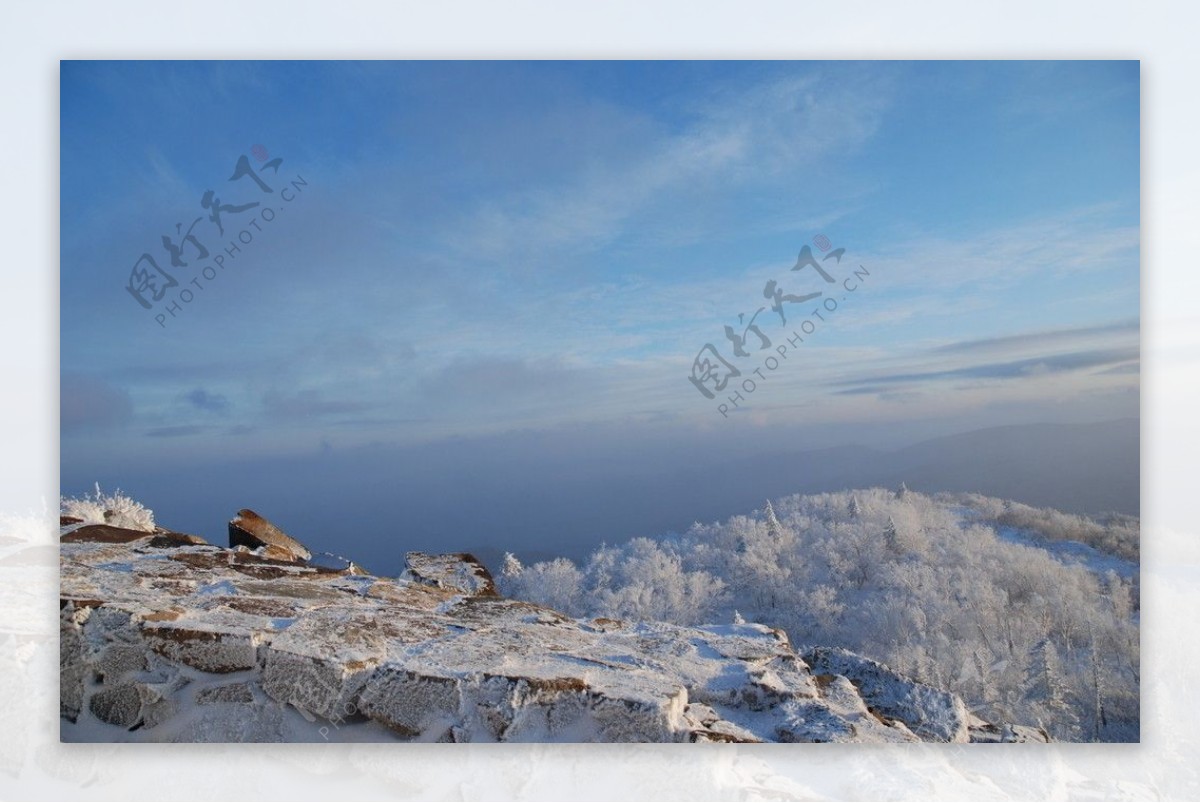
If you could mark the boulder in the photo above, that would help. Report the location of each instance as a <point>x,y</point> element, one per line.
<point>121,705</point>
<point>252,531</point>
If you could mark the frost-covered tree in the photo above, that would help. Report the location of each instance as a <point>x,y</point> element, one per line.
<point>1047,692</point>
<point>891,539</point>
<point>774,528</point>
<point>512,567</point>
<point>950,595</point>
<point>556,583</point>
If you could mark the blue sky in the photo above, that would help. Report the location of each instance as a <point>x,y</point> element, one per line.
<point>482,249</point>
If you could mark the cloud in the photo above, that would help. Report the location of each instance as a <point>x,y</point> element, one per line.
<point>307,404</point>
<point>89,403</point>
<point>1127,368</point>
<point>1040,339</point>
<point>1100,349</point>
<point>180,431</point>
<point>864,390</point>
<point>1084,241</point>
<point>485,379</point>
<point>1015,369</point>
<point>737,137</point>
<point>201,399</point>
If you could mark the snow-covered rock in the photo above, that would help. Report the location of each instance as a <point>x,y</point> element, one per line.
<point>989,733</point>
<point>932,714</point>
<point>164,639</point>
<point>460,572</point>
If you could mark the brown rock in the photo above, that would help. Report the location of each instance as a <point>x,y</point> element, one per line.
<point>169,615</point>
<point>103,534</point>
<point>251,530</point>
<point>206,650</point>
<point>251,564</point>
<point>272,552</point>
<point>170,540</point>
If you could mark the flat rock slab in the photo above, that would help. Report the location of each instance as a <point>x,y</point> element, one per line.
<point>104,534</point>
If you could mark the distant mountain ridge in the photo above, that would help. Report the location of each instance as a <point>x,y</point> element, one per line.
<point>1077,468</point>
<point>487,496</point>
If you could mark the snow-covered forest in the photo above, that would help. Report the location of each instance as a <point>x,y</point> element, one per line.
<point>1031,615</point>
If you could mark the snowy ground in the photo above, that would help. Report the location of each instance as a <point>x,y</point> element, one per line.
<point>1071,553</point>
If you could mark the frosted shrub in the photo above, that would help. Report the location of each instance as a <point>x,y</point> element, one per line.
<point>115,509</point>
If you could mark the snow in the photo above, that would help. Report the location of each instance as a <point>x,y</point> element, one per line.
<point>116,509</point>
<point>1071,553</point>
<point>198,643</point>
<point>224,587</point>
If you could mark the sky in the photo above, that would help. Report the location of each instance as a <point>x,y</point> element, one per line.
<point>473,260</point>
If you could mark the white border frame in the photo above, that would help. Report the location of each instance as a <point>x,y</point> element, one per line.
<point>34,36</point>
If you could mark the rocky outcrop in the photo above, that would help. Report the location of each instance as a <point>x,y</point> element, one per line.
<point>178,641</point>
<point>932,714</point>
<point>458,572</point>
<point>250,530</point>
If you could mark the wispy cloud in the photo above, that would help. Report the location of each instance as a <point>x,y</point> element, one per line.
<point>1036,366</point>
<point>307,404</point>
<point>202,399</point>
<point>178,431</point>
<point>740,136</point>
<point>1081,241</point>
<point>1041,339</point>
